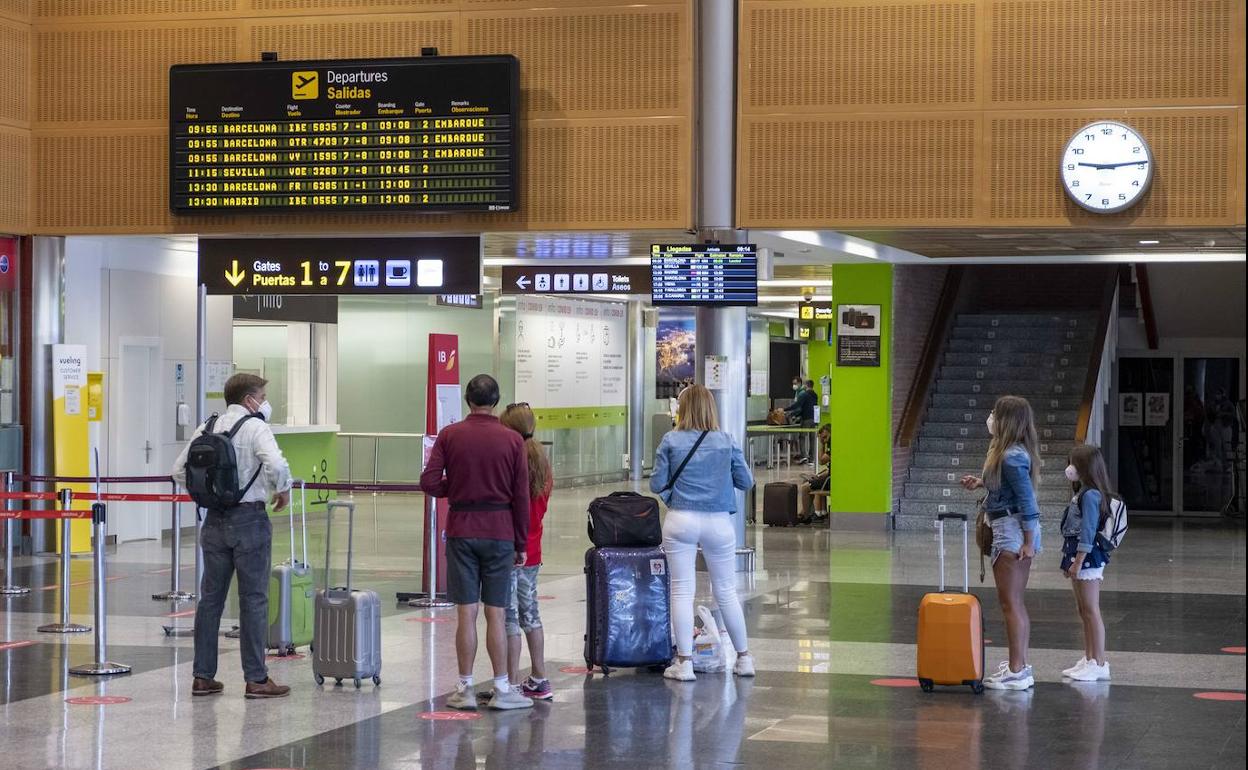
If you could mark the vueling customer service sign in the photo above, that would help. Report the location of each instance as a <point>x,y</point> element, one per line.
<point>70,452</point>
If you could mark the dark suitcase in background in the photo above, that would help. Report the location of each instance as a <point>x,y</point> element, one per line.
<point>780,504</point>
<point>346,636</point>
<point>625,520</point>
<point>627,608</point>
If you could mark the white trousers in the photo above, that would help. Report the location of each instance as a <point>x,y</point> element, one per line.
<point>683,532</point>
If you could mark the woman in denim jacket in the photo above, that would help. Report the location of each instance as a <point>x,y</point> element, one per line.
<point>1083,557</point>
<point>700,505</point>
<point>1011,471</point>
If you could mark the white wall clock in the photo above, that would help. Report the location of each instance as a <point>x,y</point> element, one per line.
<point>1107,167</point>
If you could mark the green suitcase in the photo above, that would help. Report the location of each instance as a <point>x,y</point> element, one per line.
<point>292,593</point>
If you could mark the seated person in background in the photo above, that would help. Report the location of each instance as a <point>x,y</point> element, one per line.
<point>819,481</point>
<point>803,408</point>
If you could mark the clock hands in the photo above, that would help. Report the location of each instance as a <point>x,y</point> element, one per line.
<point>1110,166</point>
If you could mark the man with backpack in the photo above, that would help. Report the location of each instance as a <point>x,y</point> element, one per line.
<point>230,468</point>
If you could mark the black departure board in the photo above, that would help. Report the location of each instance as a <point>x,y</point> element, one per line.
<point>428,134</point>
<point>704,274</point>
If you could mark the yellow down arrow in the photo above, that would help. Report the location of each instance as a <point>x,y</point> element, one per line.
<point>234,275</point>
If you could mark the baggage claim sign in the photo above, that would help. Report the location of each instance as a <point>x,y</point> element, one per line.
<point>427,134</point>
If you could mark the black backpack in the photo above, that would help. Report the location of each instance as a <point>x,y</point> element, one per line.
<point>212,468</point>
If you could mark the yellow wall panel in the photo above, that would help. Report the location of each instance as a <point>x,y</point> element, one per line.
<point>15,173</point>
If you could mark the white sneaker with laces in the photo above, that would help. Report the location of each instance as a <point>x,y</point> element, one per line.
<point>1092,672</point>
<point>681,671</point>
<point>744,666</point>
<point>1075,669</point>
<point>464,698</point>
<point>1011,680</point>
<point>511,698</point>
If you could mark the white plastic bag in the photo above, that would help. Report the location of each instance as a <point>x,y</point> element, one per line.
<point>708,645</point>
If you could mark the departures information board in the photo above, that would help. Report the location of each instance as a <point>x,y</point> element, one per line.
<point>426,134</point>
<point>704,274</point>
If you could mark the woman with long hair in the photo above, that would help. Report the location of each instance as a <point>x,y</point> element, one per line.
<point>1083,556</point>
<point>522,612</point>
<point>696,470</point>
<point>1011,471</point>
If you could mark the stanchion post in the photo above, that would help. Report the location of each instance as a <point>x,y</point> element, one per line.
<point>65,627</point>
<point>10,531</point>
<point>175,592</point>
<point>430,600</point>
<point>101,666</point>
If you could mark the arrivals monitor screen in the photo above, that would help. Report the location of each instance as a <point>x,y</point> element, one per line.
<point>704,274</point>
<point>427,134</point>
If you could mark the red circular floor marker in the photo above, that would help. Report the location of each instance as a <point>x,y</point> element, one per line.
<point>895,682</point>
<point>431,620</point>
<point>449,716</point>
<point>275,658</point>
<point>1234,650</point>
<point>14,645</point>
<point>580,670</point>
<point>1223,696</point>
<point>98,700</point>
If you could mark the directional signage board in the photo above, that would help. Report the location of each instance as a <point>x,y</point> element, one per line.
<point>816,311</point>
<point>334,266</point>
<point>577,279</point>
<point>707,274</point>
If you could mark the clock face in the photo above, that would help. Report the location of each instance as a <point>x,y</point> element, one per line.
<point>1106,167</point>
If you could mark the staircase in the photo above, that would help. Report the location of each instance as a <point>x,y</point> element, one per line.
<point>1040,356</point>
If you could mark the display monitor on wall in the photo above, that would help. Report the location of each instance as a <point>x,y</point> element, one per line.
<point>707,274</point>
<point>426,134</point>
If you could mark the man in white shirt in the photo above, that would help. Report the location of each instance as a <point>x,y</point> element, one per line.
<point>240,540</point>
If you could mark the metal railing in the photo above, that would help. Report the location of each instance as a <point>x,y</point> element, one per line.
<point>376,438</point>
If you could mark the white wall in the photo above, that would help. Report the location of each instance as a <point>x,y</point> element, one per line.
<point>140,287</point>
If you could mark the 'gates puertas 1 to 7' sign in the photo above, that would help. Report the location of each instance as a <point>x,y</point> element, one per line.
<point>332,266</point>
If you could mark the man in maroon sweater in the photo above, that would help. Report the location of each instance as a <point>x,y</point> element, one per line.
<point>479,465</point>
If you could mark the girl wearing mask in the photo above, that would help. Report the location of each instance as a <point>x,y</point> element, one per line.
<point>1083,558</point>
<point>1010,473</point>
<point>522,612</point>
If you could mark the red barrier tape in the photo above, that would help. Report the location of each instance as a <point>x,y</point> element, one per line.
<point>123,497</point>
<point>367,487</point>
<point>92,479</point>
<point>46,514</point>
<point>28,495</point>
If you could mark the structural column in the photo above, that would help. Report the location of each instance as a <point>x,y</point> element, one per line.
<point>720,331</point>
<point>636,390</point>
<point>47,329</point>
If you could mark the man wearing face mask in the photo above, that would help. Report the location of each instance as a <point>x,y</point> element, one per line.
<point>240,539</point>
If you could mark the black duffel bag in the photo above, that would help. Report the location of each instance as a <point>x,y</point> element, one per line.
<point>625,520</point>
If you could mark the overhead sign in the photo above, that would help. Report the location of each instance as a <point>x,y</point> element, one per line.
<point>281,307</point>
<point>704,274</point>
<point>474,301</point>
<point>435,133</point>
<point>816,311</point>
<point>334,266</point>
<point>622,279</point>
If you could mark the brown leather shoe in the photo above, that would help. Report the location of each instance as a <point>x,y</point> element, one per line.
<point>266,689</point>
<point>206,687</point>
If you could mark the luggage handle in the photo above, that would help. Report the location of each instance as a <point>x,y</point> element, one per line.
<point>966,558</point>
<point>330,505</point>
<point>303,517</point>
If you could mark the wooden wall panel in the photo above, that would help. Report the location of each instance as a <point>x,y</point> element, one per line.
<point>1193,182</point>
<point>575,63</point>
<point>15,73</point>
<point>14,179</point>
<point>107,182</point>
<point>338,37</point>
<point>831,57</point>
<point>1243,169</point>
<point>143,10</point>
<point>104,74</point>
<point>1073,53</point>
<point>806,171</point>
<point>17,10</point>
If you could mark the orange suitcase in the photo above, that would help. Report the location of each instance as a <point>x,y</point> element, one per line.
<point>951,628</point>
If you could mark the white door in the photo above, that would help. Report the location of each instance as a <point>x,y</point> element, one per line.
<point>138,441</point>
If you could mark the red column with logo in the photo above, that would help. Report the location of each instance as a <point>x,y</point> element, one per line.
<point>442,408</point>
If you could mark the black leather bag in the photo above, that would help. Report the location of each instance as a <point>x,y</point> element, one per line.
<point>625,520</point>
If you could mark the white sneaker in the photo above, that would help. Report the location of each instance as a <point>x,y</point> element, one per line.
<point>1011,680</point>
<point>681,671</point>
<point>1092,672</point>
<point>744,666</point>
<point>1075,669</point>
<point>464,698</point>
<point>511,698</point>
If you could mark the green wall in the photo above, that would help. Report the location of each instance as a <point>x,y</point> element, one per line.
<point>860,407</point>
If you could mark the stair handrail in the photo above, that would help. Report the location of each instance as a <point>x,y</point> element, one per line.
<point>1090,427</point>
<point>929,361</point>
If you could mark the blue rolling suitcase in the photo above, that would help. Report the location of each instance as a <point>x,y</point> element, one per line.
<point>628,617</point>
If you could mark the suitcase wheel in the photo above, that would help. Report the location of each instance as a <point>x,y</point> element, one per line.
<point>927,685</point>
<point>977,687</point>
<point>357,683</point>
<point>337,681</point>
<point>319,679</point>
<point>606,671</point>
<point>290,650</point>
<point>376,681</point>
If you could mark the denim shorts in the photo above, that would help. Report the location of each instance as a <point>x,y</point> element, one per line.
<point>1007,536</point>
<point>522,614</point>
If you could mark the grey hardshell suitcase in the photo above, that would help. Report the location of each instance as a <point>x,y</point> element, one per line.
<point>292,592</point>
<point>346,640</point>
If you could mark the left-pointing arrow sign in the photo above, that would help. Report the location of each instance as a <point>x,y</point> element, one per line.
<point>523,282</point>
<point>234,275</point>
